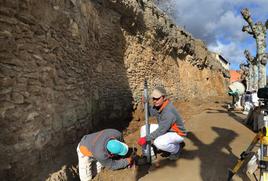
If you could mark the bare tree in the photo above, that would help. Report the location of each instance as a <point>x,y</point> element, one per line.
<point>252,71</point>
<point>258,31</point>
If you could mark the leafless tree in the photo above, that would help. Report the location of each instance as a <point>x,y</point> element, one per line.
<point>258,31</point>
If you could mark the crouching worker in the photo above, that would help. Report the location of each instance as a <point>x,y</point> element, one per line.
<point>168,135</point>
<point>101,149</point>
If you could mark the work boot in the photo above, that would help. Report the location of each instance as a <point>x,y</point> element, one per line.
<point>164,154</point>
<point>141,161</point>
<point>182,145</point>
<point>174,156</point>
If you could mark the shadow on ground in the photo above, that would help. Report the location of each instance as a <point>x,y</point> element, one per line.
<point>215,158</point>
<point>235,115</point>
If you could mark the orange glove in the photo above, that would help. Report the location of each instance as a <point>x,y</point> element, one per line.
<point>142,141</point>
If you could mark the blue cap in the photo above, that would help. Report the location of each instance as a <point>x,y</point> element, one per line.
<point>116,147</point>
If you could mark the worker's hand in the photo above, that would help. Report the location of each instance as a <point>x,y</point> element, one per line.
<point>130,162</point>
<point>142,141</point>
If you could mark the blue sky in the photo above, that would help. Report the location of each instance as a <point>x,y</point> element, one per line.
<point>219,24</point>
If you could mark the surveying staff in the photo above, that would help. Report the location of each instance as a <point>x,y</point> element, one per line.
<point>101,149</point>
<point>169,133</point>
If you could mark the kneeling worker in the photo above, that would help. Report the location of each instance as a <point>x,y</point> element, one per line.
<point>101,149</point>
<point>168,135</point>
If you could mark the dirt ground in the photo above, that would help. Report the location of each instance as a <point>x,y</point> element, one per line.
<point>215,140</point>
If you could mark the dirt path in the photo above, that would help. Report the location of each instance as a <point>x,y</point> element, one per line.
<point>216,138</point>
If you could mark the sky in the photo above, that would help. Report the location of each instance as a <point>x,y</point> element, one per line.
<point>219,24</point>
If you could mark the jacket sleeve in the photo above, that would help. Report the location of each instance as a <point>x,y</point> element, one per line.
<point>152,111</point>
<point>114,164</point>
<point>163,126</point>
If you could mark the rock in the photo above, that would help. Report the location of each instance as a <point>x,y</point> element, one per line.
<point>17,98</point>
<point>42,138</point>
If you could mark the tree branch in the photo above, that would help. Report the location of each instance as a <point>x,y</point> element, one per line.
<point>264,59</point>
<point>246,15</point>
<point>247,29</point>
<point>248,56</point>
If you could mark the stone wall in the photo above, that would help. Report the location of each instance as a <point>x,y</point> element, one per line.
<point>73,67</point>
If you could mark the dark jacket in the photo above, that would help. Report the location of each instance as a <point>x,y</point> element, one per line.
<point>96,144</point>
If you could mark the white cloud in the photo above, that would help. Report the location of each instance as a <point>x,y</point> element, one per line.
<point>230,26</point>
<point>229,51</point>
<point>219,23</point>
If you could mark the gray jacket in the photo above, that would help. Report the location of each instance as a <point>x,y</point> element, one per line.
<point>96,144</point>
<point>168,120</point>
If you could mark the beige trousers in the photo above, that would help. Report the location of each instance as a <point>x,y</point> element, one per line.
<point>88,166</point>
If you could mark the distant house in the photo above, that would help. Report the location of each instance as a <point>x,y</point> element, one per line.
<point>222,60</point>
<point>235,75</point>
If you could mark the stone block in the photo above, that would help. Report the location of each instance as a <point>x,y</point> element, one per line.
<point>69,117</point>
<point>57,123</point>
<point>42,138</point>
<point>17,98</point>
<point>4,106</point>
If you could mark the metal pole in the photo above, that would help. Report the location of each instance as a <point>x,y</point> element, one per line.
<point>148,140</point>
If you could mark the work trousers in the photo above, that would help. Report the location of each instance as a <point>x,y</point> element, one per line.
<point>88,166</point>
<point>169,142</point>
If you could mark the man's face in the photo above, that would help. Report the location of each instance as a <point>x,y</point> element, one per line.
<point>158,101</point>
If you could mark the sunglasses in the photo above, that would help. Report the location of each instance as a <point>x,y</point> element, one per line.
<point>156,99</point>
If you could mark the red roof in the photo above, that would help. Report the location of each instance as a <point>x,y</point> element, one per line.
<point>235,75</point>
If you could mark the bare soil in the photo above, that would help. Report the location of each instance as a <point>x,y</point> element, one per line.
<point>215,140</point>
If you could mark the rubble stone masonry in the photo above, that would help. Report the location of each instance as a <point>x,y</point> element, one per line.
<point>68,68</point>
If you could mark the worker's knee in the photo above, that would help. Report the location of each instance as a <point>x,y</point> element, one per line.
<point>143,131</point>
<point>153,127</point>
<point>160,144</point>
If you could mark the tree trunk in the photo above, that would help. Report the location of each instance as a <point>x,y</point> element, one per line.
<point>255,77</point>
<point>261,45</point>
<point>250,77</point>
<point>262,75</point>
